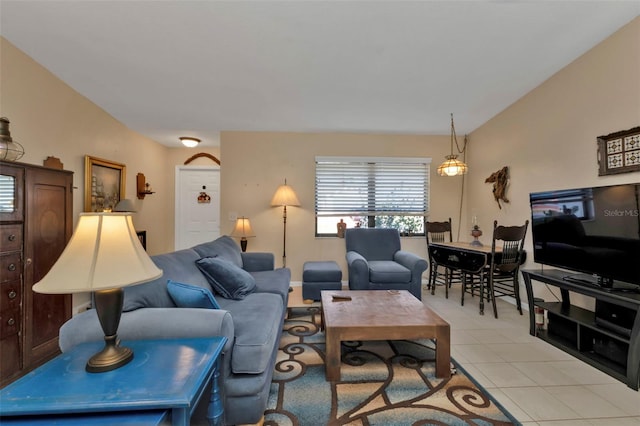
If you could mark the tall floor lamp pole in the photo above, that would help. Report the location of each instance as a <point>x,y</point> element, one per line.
<point>284,196</point>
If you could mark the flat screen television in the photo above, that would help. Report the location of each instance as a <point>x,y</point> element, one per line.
<point>592,232</point>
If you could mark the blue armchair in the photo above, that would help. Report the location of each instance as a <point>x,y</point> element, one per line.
<point>376,262</point>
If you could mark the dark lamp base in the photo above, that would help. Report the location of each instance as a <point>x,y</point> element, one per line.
<point>109,308</point>
<point>243,244</point>
<point>110,358</point>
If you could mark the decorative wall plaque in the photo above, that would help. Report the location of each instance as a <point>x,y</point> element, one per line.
<point>619,152</point>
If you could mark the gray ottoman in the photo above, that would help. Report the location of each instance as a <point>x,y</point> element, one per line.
<point>318,276</point>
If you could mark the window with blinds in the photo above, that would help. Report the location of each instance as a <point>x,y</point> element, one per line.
<point>382,192</point>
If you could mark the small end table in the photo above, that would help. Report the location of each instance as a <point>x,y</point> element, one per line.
<point>170,375</point>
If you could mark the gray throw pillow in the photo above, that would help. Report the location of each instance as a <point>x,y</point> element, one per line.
<point>227,279</point>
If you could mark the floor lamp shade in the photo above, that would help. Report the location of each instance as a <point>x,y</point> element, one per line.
<point>284,196</point>
<point>103,255</point>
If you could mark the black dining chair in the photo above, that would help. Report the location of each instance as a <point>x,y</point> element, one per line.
<point>500,277</point>
<point>440,232</point>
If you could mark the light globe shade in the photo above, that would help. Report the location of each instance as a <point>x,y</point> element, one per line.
<point>242,228</point>
<point>452,167</point>
<point>103,253</point>
<point>189,142</point>
<point>285,196</point>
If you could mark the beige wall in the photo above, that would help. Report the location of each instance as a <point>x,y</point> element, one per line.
<point>49,118</point>
<point>255,163</point>
<point>548,137</point>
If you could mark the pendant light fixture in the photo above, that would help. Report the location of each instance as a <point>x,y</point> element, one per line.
<point>10,150</point>
<point>452,166</point>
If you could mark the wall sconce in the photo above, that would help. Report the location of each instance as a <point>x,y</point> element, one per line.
<point>142,186</point>
<point>452,166</point>
<point>189,142</point>
<point>243,231</point>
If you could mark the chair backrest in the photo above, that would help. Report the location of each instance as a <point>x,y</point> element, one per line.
<point>511,240</point>
<point>373,243</point>
<point>438,232</point>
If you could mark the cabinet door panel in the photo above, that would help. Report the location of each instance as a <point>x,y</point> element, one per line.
<point>48,228</point>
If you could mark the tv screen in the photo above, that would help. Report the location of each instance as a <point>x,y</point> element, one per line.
<point>594,231</point>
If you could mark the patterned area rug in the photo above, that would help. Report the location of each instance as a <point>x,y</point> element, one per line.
<point>383,383</point>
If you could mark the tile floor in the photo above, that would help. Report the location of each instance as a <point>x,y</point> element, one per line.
<point>537,383</point>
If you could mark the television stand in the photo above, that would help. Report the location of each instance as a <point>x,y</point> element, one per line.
<point>587,335</point>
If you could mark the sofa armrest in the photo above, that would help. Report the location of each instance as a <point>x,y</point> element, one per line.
<point>256,261</point>
<point>358,268</point>
<point>151,323</point>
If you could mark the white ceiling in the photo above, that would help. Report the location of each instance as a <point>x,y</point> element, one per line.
<point>174,68</point>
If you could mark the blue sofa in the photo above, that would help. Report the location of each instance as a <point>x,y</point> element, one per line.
<point>252,325</point>
<point>376,261</point>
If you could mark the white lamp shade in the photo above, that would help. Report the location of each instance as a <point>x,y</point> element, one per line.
<point>242,228</point>
<point>285,196</point>
<point>103,253</point>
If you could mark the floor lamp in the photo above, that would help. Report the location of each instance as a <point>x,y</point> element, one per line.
<point>284,196</point>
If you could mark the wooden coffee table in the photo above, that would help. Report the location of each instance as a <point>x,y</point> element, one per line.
<point>381,315</point>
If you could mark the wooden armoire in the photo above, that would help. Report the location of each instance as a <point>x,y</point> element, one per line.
<point>36,222</point>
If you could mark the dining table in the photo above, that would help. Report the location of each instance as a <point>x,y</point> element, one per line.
<point>467,257</point>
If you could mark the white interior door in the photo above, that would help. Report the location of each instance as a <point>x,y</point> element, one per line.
<point>197,205</point>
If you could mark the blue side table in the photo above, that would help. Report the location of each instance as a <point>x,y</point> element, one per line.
<point>164,375</point>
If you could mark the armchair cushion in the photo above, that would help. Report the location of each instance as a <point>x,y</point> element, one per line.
<point>373,243</point>
<point>227,279</point>
<point>388,271</point>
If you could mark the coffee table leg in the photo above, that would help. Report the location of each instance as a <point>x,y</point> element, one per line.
<point>443,352</point>
<point>332,361</point>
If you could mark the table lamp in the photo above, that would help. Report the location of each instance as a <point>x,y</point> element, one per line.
<point>103,255</point>
<point>243,231</point>
<point>284,196</point>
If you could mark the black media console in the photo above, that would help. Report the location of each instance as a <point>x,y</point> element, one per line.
<point>608,339</point>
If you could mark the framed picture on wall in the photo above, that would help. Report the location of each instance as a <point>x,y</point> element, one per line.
<point>104,184</point>
<point>619,152</point>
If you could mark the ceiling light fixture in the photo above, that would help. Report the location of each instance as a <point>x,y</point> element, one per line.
<point>452,166</point>
<point>189,142</point>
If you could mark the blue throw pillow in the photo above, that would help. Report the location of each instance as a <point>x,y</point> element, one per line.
<point>191,296</point>
<point>227,279</point>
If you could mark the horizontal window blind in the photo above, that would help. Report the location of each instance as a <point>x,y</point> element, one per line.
<point>7,193</point>
<point>372,186</point>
